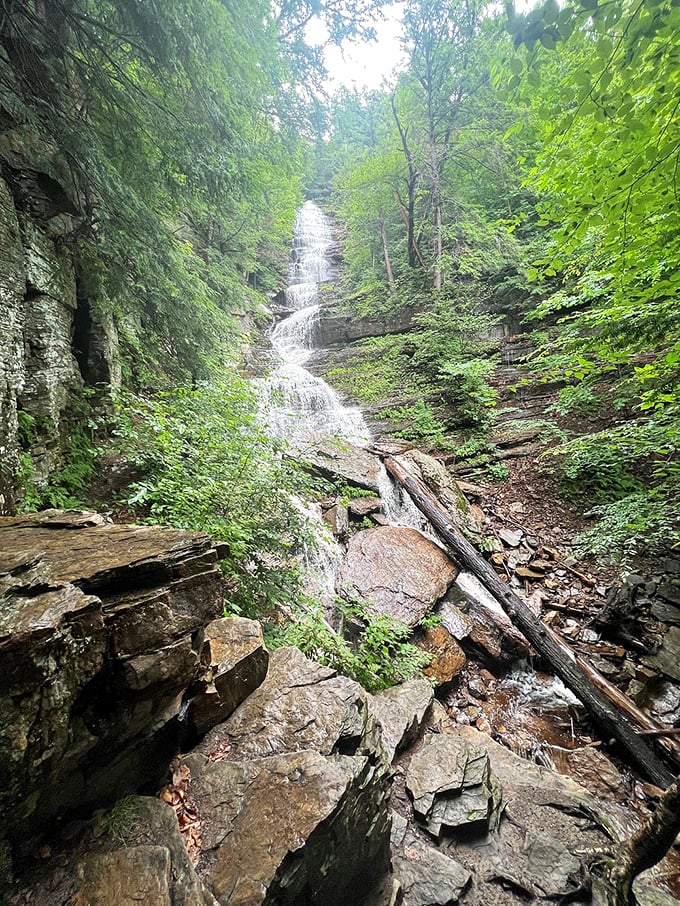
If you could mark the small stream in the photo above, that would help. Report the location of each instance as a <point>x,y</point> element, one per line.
<point>303,408</point>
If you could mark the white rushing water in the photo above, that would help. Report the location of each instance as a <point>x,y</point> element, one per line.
<point>300,406</point>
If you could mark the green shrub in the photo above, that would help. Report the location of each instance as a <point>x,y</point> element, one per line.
<point>643,522</point>
<point>381,656</point>
<point>208,465</point>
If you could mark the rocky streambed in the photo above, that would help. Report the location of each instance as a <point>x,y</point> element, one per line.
<point>268,779</point>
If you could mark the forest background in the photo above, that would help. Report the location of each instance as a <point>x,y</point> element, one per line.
<point>522,163</point>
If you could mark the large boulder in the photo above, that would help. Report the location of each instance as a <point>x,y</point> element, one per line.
<point>300,705</point>
<point>401,712</point>
<point>100,633</point>
<point>290,829</point>
<point>470,610</point>
<point>396,571</point>
<point>452,787</point>
<point>291,791</point>
<point>448,658</point>
<point>435,476</point>
<point>516,826</point>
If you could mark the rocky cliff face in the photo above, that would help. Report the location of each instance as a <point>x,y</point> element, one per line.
<point>101,634</point>
<point>52,341</point>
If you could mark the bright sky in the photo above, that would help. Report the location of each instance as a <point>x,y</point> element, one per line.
<point>362,65</point>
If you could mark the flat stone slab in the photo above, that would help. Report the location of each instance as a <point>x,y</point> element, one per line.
<point>345,461</point>
<point>80,547</point>
<point>361,507</point>
<point>395,571</point>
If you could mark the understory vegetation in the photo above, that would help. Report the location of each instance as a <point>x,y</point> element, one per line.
<point>381,656</point>
<point>520,169</point>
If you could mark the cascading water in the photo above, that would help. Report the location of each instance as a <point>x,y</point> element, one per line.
<point>302,407</point>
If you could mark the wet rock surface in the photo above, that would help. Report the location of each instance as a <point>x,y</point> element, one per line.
<point>396,571</point>
<point>292,828</point>
<point>451,785</point>
<point>235,663</point>
<point>468,608</point>
<point>292,789</point>
<point>344,461</point>
<point>426,875</point>
<point>99,629</point>
<point>401,712</point>
<point>448,658</point>
<point>300,705</point>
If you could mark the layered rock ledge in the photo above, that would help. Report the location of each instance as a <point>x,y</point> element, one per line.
<point>101,630</point>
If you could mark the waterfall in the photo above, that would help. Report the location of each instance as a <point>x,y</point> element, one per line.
<point>301,407</point>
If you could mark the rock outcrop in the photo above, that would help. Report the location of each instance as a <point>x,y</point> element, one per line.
<point>101,631</point>
<point>234,661</point>
<point>435,476</point>
<point>305,789</point>
<point>291,791</point>
<point>332,330</point>
<point>52,340</point>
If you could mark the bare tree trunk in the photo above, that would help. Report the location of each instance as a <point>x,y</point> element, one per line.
<point>437,203</point>
<point>438,245</point>
<point>386,255</point>
<point>413,247</point>
<point>412,182</point>
<point>648,845</point>
<point>554,649</point>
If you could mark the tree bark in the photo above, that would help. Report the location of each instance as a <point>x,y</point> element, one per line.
<point>408,223</point>
<point>648,845</point>
<point>411,182</point>
<point>558,654</point>
<point>386,255</point>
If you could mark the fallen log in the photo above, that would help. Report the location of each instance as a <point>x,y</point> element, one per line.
<point>554,649</point>
<point>646,726</point>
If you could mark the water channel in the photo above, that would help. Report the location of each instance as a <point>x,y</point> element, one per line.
<point>304,409</point>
